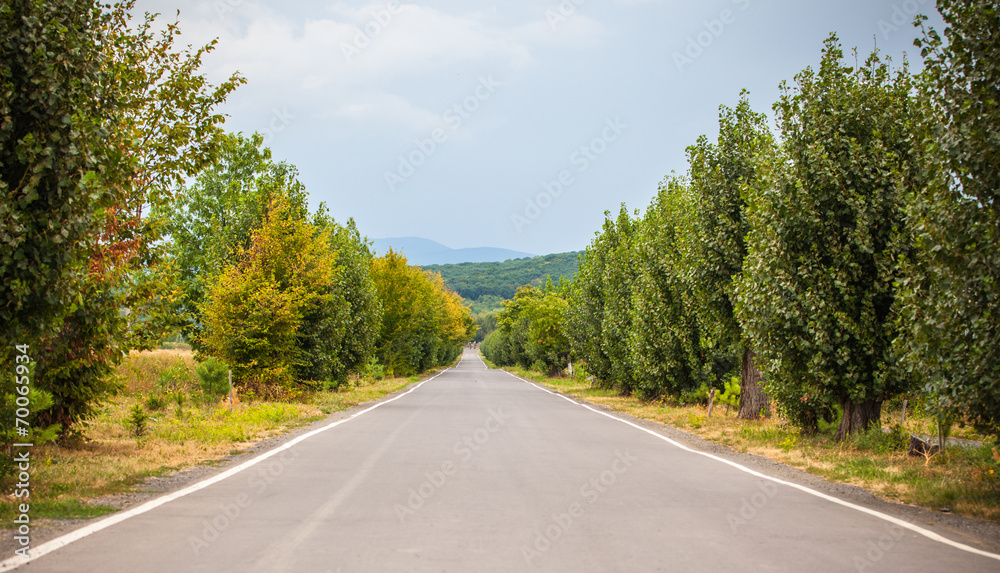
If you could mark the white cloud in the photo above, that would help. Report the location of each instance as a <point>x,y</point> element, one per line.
<point>348,62</point>
<point>386,109</point>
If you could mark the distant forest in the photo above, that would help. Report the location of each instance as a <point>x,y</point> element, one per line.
<point>474,281</point>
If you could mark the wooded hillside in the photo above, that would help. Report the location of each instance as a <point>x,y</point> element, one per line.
<point>474,280</point>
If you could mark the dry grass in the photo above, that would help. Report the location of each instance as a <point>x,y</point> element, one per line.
<point>964,480</point>
<point>140,371</point>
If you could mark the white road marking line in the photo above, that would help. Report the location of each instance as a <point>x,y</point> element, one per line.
<point>59,542</point>
<point>925,532</point>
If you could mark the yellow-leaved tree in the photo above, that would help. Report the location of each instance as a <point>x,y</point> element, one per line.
<point>424,324</point>
<point>258,310</point>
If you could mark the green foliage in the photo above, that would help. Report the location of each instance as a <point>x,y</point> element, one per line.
<point>326,308</point>
<point>137,422</point>
<point>499,281</point>
<point>38,400</point>
<point>817,293</point>
<point>664,342</point>
<point>599,316</point>
<point>827,424</point>
<point>343,344</point>
<point>789,443</point>
<point>174,378</point>
<point>878,440</point>
<point>531,331</point>
<point>697,395</point>
<point>730,396</point>
<point>178,397</point>
<point>122,116</point>
<point>951,290</point>
<point>213,378</point>
<point>213,220</point>
<point>48,143</point>
<point>724,175</point>
<point>486,322</point>
<point>485,304</point>
<point>373,370</point>
<point>156,402</point>
<point>259,311</point>
<point>424,324</point>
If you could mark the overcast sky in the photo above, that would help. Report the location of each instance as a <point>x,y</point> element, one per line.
<point>513,124</point>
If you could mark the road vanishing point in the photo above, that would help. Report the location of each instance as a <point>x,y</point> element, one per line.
<point>478,470</point>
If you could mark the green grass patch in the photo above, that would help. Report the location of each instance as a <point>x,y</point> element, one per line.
<point>57,509</point>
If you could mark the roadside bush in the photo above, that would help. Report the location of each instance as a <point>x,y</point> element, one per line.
<point>137,422</point>
<point>698,395</point>
<point>174,378</point>
<point>731,395</point>
<point>373,370</point>
<point>878,440</point>
<point>178,397</point>
<point>213,378</point>
<point>156,402</point>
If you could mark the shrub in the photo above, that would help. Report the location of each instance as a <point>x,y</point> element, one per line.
<point>174,378</point>
<point>878,440</point>
<point>137,423</point>
<point>156,402</point>
<point>731,395</point>
<point>373,370</point>
<point>178,398</point>
<point>698,395</point>
<point>213,378</point>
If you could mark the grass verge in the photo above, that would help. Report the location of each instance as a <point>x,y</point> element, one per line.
<point>961,480</point>
<point>66,478</point>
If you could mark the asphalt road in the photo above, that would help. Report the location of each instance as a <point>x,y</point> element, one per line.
<point>476,470</point>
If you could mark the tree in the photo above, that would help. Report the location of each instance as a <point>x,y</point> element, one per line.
<point>258,311</point>
<point>600,315</point>
<point>423,323</point>
<point>364,311</point>
<point>212,219</point>
<point>951,291</point>
<point>722,176</point>
<point>531,331</point>
<point>51,81</point>
<point>817,294</point>
<point>548,344</point>
<point>586,309</point>
<point>122,116</point>
<point>666,354</point>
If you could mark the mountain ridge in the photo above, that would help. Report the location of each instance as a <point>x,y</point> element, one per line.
<point>421,252</point>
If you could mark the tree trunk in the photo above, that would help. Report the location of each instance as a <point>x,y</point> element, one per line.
<point>858,417</point>
<point>753,400</point>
